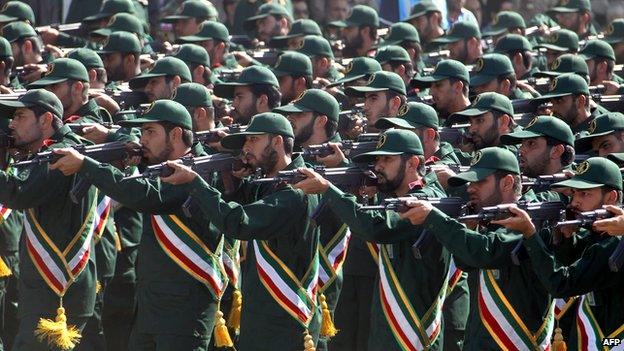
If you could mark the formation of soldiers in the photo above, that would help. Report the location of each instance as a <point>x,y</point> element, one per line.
<point>275,185</point>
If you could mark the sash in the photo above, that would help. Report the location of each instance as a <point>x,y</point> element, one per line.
<point>455,275</point>
<point>296,297</point>
<point>59,268</point>
<point>102,213</point>
<point>562,306</point>
<point>410,331</point>
<point>190,253</point>
<point>231,261</point>
<point>332,257</point>
<point>4,213</point>
<point>590,335</point>
<point>503,323</point>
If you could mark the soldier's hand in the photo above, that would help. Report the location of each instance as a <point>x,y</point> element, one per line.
<point>356,131</point>
<point>55,51</point>
<point>107,102</point>
<point>181,174</point>
<point>70,163</point>
<point>335,159</point>
<point>49,35</point>
<point>314,182</point>
<point>443,174</point>
<point>614,225</point>
<point>418,211</point>
<point>520,221</point>
<point>33,72</point>
<point>5,90</point>
<point>242,58</point>
<point>611,87</point>
<point>96,133</point>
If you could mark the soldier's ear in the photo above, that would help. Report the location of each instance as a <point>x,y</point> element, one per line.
<point>610,198</point>
<point>92,75</point>
<point>556,151</point>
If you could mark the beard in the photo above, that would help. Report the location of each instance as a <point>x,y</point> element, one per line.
<point>489,139</point>
<point>267,160</point>
<point>391,185</point>
<point>161,157</point>
<point>305,133</point>
<point>116,73</point>
<point>568,116</point>
<point>351,47</point>
<point>244,116</point>
<point>538,167</point>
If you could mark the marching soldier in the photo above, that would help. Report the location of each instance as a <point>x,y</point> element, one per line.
<point>160,82</point>
<point>271,20</point>
<point>294,72</point>
<point>359,31</point>
<point>190,16</point>
<point>494,73</point>
<point>560,42</point>
<point>320,52</point>
<point>600,59</point>
<point>298,30</point>
<point>575,15</point>
<point>518,49</point>
<point>121,57</point>
<point>395,59</point>
<point>605,135</point>
<point>7,62</point>
<point>94,65</point>
<point>463,40</point>
<point>198,62</point>
<point>614,36</point>
<point>427,19</point>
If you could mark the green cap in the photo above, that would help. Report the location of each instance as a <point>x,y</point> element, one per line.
<point>194,9</point>
<point>315,46</point>
<point>572,6</point>
<point>121,22</point>
<point>486,162</point>
<point>166,66</point>
<point>358,68</point>
<point>566,84</point>
<point>445,69</point>
<point>61,70</point>
<point>392,53</point>
<point>380,81</point>
<point>89,58</point>
<point>18,30</point>
<point>313,100</point>
<point>123,42</point>
<point>361,15</point>
<point>562,40</point>
<point>266,10</point>
<point>209,30</point>
<point>504,21</point>
<point>17,11</point>
<point>292,63</point>
<point>191,53</point>
<point>512,43</point>
<point>249,76</point>
<point>393,142</point>
<point>614,33</point>
<point>460,31</point>
<point>411,116</point>
<point>300,28</point>
<point>36,97</point>
<point>566,63</point>
<point>162,111</point>
<point>421,9</point>
<point>399,33</point>
<point>489,67</point>
<point>192,95</point>
<point>483,103</point>
<point>541,126</point>
<point>597,48</point>
<point>110,8</point>
<point>602,125</point>
<point>593,173</point>
<point>5,48</point>
<point>263,123</point>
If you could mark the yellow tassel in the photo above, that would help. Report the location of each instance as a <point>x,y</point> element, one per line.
<point>327,325</point>
<point>235,312</point>
<point>5,271</point>
<point>221,333</point>
<point>558,343</point>
<point>58,333</point>
<point>308,342</point>
<point>98,286</point>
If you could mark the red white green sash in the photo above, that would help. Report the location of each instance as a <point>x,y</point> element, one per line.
<point>562,306</point>
<point>590,335</point>
<point>59,268</point>
<point>410,331</point>
<point>332,257</point>
<point>102,213</point>
<point>190,253</point>
<point>4,213</point>
<point>296,297</point>
<point>455,275</point>
<point>503,323</point>
<point>231,261</point>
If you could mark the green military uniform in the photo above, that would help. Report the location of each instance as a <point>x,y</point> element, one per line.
<point>487,253</point>
<point>504,21</point>
<point>495,66</point>
<point>316,46</point>
<point>6,52</point>
<point>602,125</point>
<point>174,309</point>
<point>420,9</point>
<point>45,193</point>
<point>299,28</point>
<point>248,8</point>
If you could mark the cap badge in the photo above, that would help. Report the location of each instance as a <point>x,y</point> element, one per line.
<point>382,141</point>
<point>403,110</point>
<point>531,123</point>
<point>592,127</point>
<point>476,158</point>
<point>479,65</point>
<point>582,167</point>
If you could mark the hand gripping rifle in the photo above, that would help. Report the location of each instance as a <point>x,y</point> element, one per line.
<point>212,136</point>
<point>203,165</point>
<point>342,177</point>
<point>348,147</point>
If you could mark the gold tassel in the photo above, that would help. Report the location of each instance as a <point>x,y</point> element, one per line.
<point>221,333</point>
<point>57,332</point>
<point>5,271</point>
<point>98,286</point>
<point>308,342</point>
<point>235,311</point>
<point>558,343</point>
<point>327,325</point>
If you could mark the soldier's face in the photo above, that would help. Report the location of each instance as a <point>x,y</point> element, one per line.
<point>155,143</point>
<point>458,50</point>
<point>484,193</point>
<point>266,28</point>
<point>63,92</point>
<point>608,144</point>
<point>25,127</point>
<point>259,152</point>
<point>113,63</point>
<point>244,105</point>
<point>376,105</point>
<point>442,94</point>
<point>565,108</point>
<point>352,38</point>
<point>287,87</point>
<point>534,156</point>
<point>337,10</point>
<point>484,130</point>
<point>571,20</point>
<point>303,125</point>
<point>390,172</point>
<point>491,86</point>
<point>157,88</point>
<point>587,199</point>
<point>187,26</point>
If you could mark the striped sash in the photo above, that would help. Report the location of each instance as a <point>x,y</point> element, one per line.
<point>455,275</point>
<point>231,261</point>
<point>332,257</point>
<point>562,306</point>
<point>590,335</point>
<point>102,213</point>
<point>190,253</point>
<point>4,213</point>
<point>503,323</point>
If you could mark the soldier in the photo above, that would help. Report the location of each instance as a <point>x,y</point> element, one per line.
<point>575,15</point>
<point>25,43</point>
<point>614,36</point>
<point>427,19</point>
<point>600,60</point>
<point>463,40</point>
<point>275,219</point>
<point>294,73</point>
<point>255,91</point>
<point>198,100</point>
<point>359,31</point>
<point>94,65</point>
<point>16,11</point>
<point>6,66</point>
<point>498,287</point>
<point>566,63</point>
<point>160,82</point>
<point>121,57</point>
<point>198,62</point>
<point>271,20</point>
<point>505,22</point>
<point>518,49</point>
<point>246,9</point>
<point>357,72</point>
<point>52,218</point>
<point>494,73</point>
<point>405,36</point>
<point>123,22</point>
<point>559,42</point>
<point>395,59</point>
<point>320,52</point>
<point>294,38</point>
<point>606,135</point>
<point>191,15</point>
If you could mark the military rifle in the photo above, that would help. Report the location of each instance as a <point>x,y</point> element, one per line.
<point>348,147</point>
<point>61,27</point>
<point>212,136</point>
<point>78,127</point>
<point>342,177</point>
<point>347,120</point>
<point>205,166</point>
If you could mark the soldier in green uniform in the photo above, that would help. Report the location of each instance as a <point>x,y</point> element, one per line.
<point>51,217</point>
<point>426,17</point>
<point>560,42</point>
<point>6,64</point>
<point>190,16</point>
<point>299,29</point>
<point>495,73</point>
<point>357,72</point>
<point>498,287</point>
<point>566,63</point>
<point>463,41</point>
<point>518,49</point>
<point>320,52</point>
<point>399,163</point>
<point>197,60</point>
<point>505,22</point>
<point>16,11</point>
<point>614,35</point>
<point>359,31</point>
<point>270,20</point>
<point>605,135</point>
<point>575,15</point>
<point>94,65</point>
<point>394,58</point>
<point>121,57</point>
<point>26,46</point>
<point>294,73</point>
<point>160,82</point>
<point>176,305</point>
<point>248,8</point>
<point>277,311</point>
<point>123,22</point>
<point>600,59</point>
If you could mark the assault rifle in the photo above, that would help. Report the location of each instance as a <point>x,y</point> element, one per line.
<point>61,27</point>
<point>229,75</point>
<point>543,182</point>
<point>348,119</point>
<point>212,136</point>
<point>205,166</point>
<point>348,147</point>
<point>342,177</point>
<point>78,127</point>
<point>610,102</point>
